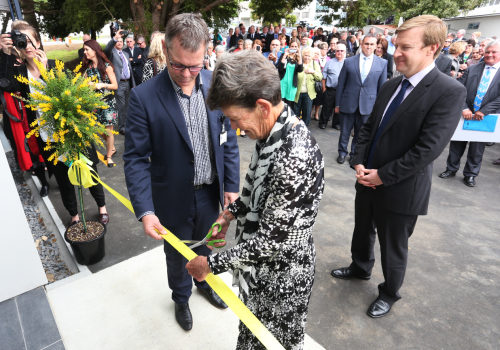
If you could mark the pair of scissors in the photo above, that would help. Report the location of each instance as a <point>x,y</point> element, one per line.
<point>205,240</point>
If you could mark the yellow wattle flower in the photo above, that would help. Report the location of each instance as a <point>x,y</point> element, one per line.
<point>56,115</point>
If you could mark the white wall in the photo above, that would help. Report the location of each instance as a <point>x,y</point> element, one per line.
<point>20,267</point>
<point>489,26</point>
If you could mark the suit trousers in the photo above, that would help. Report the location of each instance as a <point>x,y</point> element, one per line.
<point>347,122</point>
<point>393,232</point>
<point>304,105</point>
<point>328,108</point>
<point>474,157</point>
<point>203,213</point>
<point>122,96</point>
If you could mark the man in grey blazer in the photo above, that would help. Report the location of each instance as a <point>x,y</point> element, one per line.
<point>482,82</point>
<point>124,77</point>
<point>360,80</point>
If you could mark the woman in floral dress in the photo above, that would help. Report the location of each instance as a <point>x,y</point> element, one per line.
<point>96,64</point>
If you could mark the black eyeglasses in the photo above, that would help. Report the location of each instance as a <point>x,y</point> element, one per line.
<point>181,67</point>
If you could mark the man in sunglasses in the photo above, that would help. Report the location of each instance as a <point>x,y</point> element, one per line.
<point>181,158</point>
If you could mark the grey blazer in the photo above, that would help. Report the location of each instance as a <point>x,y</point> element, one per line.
<point>117,62</point>
<point>471,79</point>
<point>352,93</point>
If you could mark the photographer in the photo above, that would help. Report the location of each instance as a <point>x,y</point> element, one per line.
<point>27,41</point>
<point>288,68</point>
<point>124,75</point>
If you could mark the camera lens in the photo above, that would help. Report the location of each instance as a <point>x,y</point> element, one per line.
<point>21,44</point>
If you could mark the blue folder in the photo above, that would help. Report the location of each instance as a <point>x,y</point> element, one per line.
<point>488,124</point>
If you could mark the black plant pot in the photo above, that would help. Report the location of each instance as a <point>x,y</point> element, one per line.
<point>89,252</point>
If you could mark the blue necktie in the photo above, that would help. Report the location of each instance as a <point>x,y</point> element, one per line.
<point>390,111</point>
<point>481,90</point>
<point>363,70</point>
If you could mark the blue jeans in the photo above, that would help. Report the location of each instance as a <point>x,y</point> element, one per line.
<point>304,105</point>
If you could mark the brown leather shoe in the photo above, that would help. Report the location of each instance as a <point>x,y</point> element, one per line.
<point>104,218</point>
<point>497,162</point>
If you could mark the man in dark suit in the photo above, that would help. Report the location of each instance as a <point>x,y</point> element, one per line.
<point>270,37</point>
<point>443,63</point>
<point>359,82</point>
<point>181,158</point>
<point>287,37</point>
<point>141,41</point>
<point>86,37</point>
<point>124,77</point>
<point>482,82</point>
<point>412,121</point>
<point>333,34</point>
<point>319,35</point>
<point>233,42</point>
<point>263,37</point>
<point>135,54</point>
<point>252,35</point>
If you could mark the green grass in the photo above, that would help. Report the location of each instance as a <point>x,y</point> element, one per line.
<point>65,55</point>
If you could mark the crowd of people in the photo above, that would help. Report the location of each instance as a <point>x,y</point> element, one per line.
<point>271,85</point>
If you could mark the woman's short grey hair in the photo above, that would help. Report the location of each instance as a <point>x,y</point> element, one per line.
<point>248,41</point>
<point>190,29</point>
<point>219,48</point>
<point>242,78</point>
<point>492,43</point>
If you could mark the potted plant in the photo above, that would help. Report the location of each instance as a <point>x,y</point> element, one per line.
<point>68,103</point>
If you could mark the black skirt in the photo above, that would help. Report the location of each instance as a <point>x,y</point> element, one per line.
<point>318,101</point>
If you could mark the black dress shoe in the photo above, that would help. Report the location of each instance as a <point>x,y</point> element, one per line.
<point>447,174</point>
<point>469,181</point>
<point>336,126</point>
<point>346,273</point>
<point>44,191</point>
<point>183,316</point>
<point>341,159</point>
<point>322,126</point>
<point>122,132</point>
<point>214,299</point>
<point>378,308</point>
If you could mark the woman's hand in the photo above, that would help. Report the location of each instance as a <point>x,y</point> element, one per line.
<point>41,57</point>
<point>6,43</point>
<point>198,268</point>
<point>224,226</point>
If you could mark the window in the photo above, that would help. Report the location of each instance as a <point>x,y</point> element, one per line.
<point>473,25</point>
<point>493,2</point>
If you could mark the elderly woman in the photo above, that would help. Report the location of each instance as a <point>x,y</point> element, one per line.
<point>475,57</point>
<point>273,261</point>
<point>455,50</point>
<point>306,91</point>
<point>248,44</point>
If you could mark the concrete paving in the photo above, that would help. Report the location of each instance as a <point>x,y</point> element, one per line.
<point>128,306</point>
<point>451,297</point>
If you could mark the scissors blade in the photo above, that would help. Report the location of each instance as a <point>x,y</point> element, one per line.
<point>190,242</point>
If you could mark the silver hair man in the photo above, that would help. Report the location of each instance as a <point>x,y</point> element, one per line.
<point>233,86</point>
<point>190,29</point>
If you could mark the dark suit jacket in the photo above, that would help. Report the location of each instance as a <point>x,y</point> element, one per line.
<point>233,42</point>
<point>471,79</point>
<point>255,36</point>
<point>145,55</point>
<point>414,137</point>
<point>269,38</point>
<point>80,54</point>
<point>352,93</point>
<point>137,63</point>
<point>331,35</point>
<point>443,63</point>
<point>117,62</point>
<point>156,130</point>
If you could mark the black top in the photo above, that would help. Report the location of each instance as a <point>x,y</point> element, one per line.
<point>282,69</point>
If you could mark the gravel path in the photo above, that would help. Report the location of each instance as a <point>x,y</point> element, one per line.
<point>44,240</point>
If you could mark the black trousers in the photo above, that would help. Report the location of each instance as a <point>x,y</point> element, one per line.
<point>347,122</point>
<point>328,108</point>
<point>474,157</point>
<point>204,211</point>
<point>393,231</point>
<point>67,189</point>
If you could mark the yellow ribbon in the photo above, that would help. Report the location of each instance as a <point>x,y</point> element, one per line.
<point>85,173</point>
<point>224,292</point>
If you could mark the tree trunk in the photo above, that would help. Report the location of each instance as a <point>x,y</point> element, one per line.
<point>93,33</point>
<point>155,15</point>
<point>5,21</point>
<point>137,9</point>
<point>29,6</point>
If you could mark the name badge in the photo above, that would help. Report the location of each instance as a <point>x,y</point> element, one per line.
<point>223,133</point>
<point>223,138</point>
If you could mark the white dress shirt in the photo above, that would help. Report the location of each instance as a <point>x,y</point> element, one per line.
<point>494,69</point>
<point>369,63</point>
<point>414,80</point>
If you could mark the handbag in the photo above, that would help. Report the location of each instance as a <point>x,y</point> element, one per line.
<point>318,85</point>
